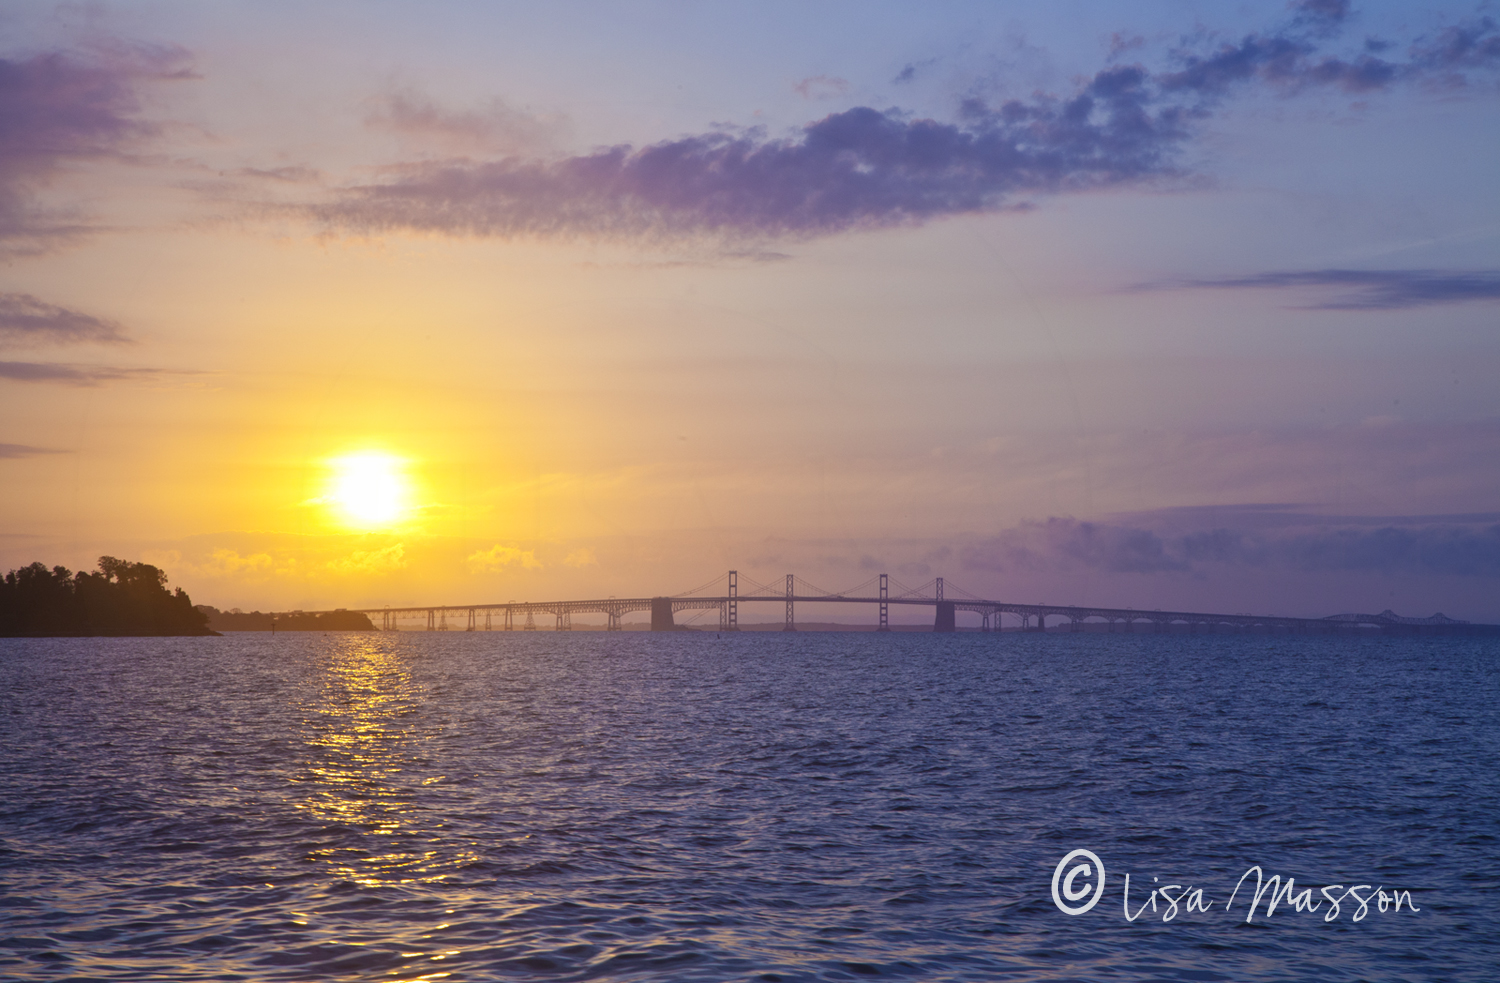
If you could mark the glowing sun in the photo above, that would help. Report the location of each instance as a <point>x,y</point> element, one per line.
<point>368,488</point>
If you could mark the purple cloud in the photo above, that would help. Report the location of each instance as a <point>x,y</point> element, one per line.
<point>24,450</point>
<point>856,169</point>
<point>1422,546</point>
<point>1370,289</point>
<point>56,108</point>
<point>70,375</point>
<point>1472,45</point>
<point>23,317</point>
<point>869,168</point>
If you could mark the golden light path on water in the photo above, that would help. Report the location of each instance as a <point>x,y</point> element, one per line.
<point>362,777</point>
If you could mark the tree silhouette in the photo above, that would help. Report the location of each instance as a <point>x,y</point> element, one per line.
<point>123,598</point>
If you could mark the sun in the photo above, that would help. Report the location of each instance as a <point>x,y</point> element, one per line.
<point>368,489</point>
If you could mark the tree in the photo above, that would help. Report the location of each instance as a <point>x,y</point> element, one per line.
<point>123,598</point>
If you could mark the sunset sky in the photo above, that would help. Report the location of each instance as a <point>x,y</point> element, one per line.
<point>1168,305</point>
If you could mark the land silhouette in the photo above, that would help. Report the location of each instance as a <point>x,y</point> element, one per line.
<point>237,620</point>
<point>121,599</point>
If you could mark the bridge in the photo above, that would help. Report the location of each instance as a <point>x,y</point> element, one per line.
<point>723,595</point>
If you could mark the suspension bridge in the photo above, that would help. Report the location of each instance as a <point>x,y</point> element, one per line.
<point>724,594</point>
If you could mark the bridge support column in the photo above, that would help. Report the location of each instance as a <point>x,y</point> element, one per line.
<point>443,620</point>
<point>1041,623</point>
<point>614,620</point>
<point>530,620</point>
<point>565,618</point>
<point>661,614</point>
<point>946,619</point>
<point>472,622</point>
<point>885,603</point>
<point>431,619</point>
<point>791,620</point>
<point>487,626</point>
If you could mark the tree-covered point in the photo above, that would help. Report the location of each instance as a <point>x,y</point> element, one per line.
<point>123,598</point>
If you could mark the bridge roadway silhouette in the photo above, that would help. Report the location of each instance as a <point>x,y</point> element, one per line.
<point>1033,617</point>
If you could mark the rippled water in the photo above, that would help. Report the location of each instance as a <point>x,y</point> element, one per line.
<point>689,807</point>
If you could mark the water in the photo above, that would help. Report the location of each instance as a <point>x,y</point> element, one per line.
<point>572,806</point>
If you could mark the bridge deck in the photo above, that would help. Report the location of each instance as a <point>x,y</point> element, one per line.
<point>989,610</point>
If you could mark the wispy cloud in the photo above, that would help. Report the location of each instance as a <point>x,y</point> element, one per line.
<point>581,557</point>
<point>25,450</point>
<point>495,126</point>
<point>871,168</point>
<point>387,560</point>
<point>23,317</point>
<point>498,557</point>
<point>57,108</point>
<point>73,375</point>
<point>1420,547</point>
<point>1367,289</point>
<point>821,87</point>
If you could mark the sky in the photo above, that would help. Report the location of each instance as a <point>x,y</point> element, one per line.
<point>1168,305</point>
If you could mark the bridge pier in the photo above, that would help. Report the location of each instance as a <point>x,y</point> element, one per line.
<point>431,619</point>
<point>791,620</point>
<point>885,603</point>
<point>661,614</point>
<point>472,620</point>
<point>565,618</point>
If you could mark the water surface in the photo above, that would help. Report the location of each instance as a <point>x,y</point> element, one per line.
<point>576,806</point>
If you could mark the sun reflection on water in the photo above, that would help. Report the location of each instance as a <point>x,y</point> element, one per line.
<point>364,772</point>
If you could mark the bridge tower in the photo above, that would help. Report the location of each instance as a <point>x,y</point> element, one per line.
<point>791,622</point>
<point>885,603</point>
<point>946,619</point>
<point>733,612</point>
